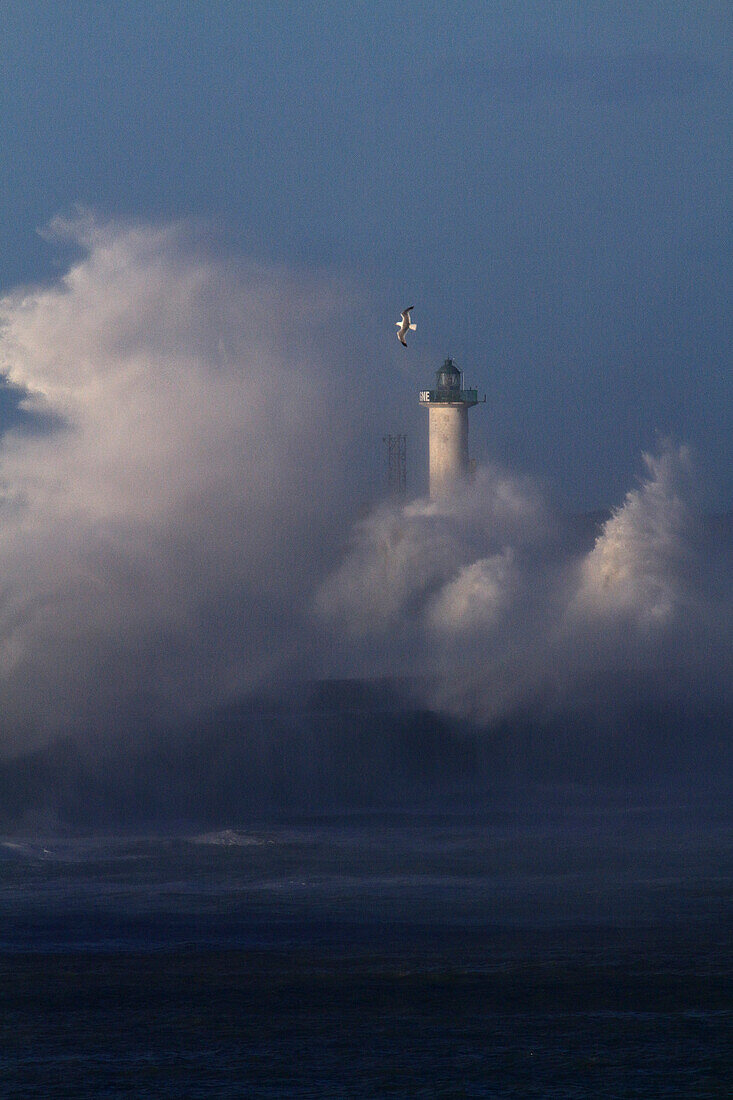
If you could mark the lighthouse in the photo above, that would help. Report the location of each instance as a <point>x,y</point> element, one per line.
<point>448,406</point>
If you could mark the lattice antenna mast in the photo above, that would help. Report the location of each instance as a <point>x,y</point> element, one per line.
<point>396,464</point>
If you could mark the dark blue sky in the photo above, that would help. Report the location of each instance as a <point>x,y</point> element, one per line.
<point>548,182</point>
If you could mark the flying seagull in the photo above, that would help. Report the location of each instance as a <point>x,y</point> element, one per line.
<point>404,325</point>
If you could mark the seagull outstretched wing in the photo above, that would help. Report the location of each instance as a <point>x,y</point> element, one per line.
<point>404,325</point>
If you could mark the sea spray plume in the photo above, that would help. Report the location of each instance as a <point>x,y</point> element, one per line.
<point>502,613</point>
<point>656,591</point>
<point>399,587</point>
<point>156,543</point>
<point>476,598</point>
<point>578,631</point>
<point>164,540</point>
<point>642,563</point>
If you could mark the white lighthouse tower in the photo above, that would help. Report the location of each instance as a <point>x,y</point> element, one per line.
<point>448,407</point>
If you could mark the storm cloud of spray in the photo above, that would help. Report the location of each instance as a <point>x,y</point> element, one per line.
<point>172,533</point>
<point>157,535</point>
<point>496,601</point>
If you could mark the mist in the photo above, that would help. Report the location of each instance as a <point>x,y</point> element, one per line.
<point>505,605</point>
<point>159,529</point>
<point>183,529</point>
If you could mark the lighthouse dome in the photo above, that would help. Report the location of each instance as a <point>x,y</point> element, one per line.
<point>449,376</point>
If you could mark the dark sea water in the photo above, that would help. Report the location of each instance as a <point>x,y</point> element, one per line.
<point>578,951</point>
